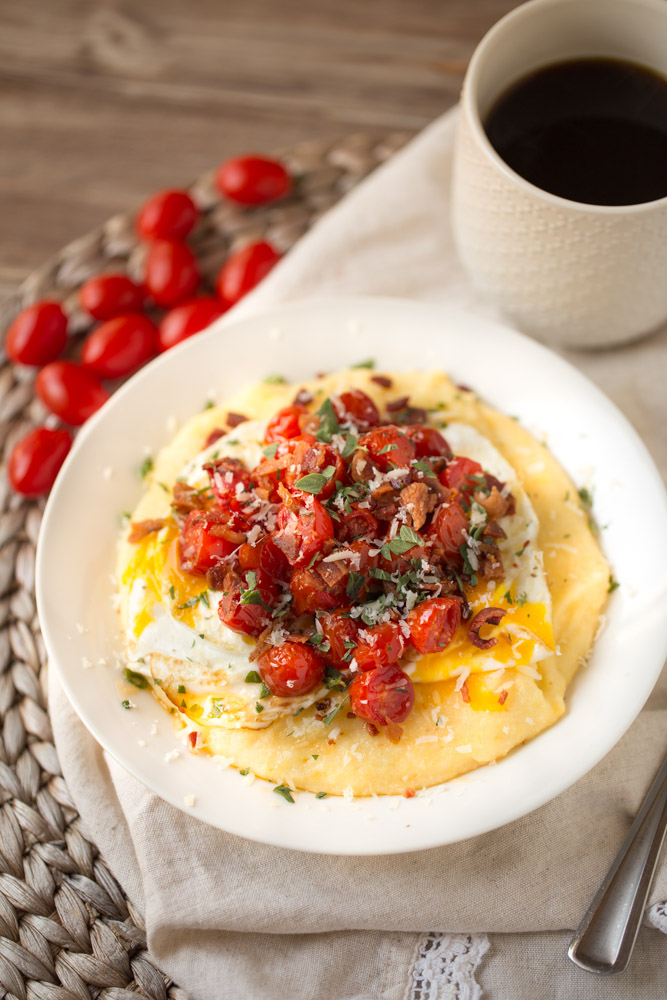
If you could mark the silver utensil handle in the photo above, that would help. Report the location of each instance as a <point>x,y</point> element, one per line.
<point>605,938</point>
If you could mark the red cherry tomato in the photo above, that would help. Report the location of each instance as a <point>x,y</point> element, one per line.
<point>304,526</point>
<point>292,669</point>
<point>253,180</point>
<point>402,561</point>
<point>187,319</point>
<point>318,458</point>
<point>355,406</point>
<point>458,472</point>
<point>36,459</point>
<point>313,593</point>
<point>285,424</point>
<point>38,334</point>
<point>205,539</point>
<point>109,295</point>
<point>244,616</point>
<point>381,696</point>
<point>342,634</point>
<point>171,274</point>
<point>265,555</point>
<point>245,269</point>
<point>449,524</point>
<point>379,646</point>
<point>358,522</point>
<point>70,391</point>
<point>428,441</point>
<point>389,447</point>
<point>229,478</point>
<point>120,346</point>
<point>167,215</point>
<point>433,624</point>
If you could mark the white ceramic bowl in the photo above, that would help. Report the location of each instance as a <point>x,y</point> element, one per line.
<point>584,430</point>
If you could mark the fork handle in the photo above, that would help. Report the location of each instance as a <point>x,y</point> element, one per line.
<point>604,940</point>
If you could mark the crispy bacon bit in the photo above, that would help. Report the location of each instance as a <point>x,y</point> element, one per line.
<point>465,694</point>
<point>234,419</point>
<point>309,423</point>
<point>214,436</point>
<point>216,577</point>
<point>398,404</point>
<point>139,529</point>
<point>224,531</point>
<point>187,498</point>
<point>362,467</point>
<point>493,530</point>
<point>302,398</point>
<point>382,380</point>
<point>386,502</point>
<point>502,697</point>
<point>409,793</point>
<point>463,387</point>
<point>350,715</point>
<point>487,616</point>
<point>495,505</point>
<point>416,500</point>
<point>371,729</point>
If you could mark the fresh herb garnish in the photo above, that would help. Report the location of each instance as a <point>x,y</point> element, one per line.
<point>275,380</point>
<point>313,483</point>
<point>252,677</point>
<point>258,708</point>
<point>181,689</point>
<point>425,468</point>
<point>126,704</point>
<point>368,363</point>
<point>613,584</point>
<point>350,445</point>
<point>586,498</point>
<point>521,598</point>
<point>135,678</point>
<point>328,422</point>
<point>320,795</point>
<point>270,450</point>
<point>146,466</point>
<point>285,792</point>
<point>387,448</point>
<point>331,716</point>
<point>355,582</point>
<point>333,679</point>
<point>406,539</point>
<point>246,770</point>
<point>265,691</point>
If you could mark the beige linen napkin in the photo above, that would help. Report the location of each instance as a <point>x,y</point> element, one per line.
<point>229,918</point>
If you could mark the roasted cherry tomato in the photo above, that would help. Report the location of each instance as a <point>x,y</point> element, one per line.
<point>356,523</point>
<point>313,591</point>
<point>171,273</point>
<point>342,635</point>
<point>167,215</point>
<point>253,180</point>
<point>264,555</point>
<point>449,525</point>
<point>244,269</point>
<point>205,539</point>
<point>433,624</point>
<point>379,646</point>
<point>36,459</point>
<point>457,475</point>
<point>229,478</point>
<point>187,319</point>
<point>285,424</point>
<point>247,609</point>
<point>38,334</point>
<point>120,346</point>
<point>428,441</point>
<point>355,406</point>
<point>389,447</point>
<point>304,526</point>
<point>109,295</point>
<point>317,458</point>
<point>292,669</point>
<point>400,562</point>
<point>382,696</point>
<point>70,391</point>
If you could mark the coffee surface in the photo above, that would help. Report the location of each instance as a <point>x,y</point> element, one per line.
<point>590,130</point>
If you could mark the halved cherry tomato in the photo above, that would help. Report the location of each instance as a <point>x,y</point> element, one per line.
<point>265,555</point>
<point>317,458</point>
<point>285,424</point>
<point>382,696</point>
<point>458,472</point>
<point>70,391</point>
<point>400,562</point>
<point>171,273</point>
<point>448,525</point>
<point>379,646</point>
<point>168,214</point>
<point>38,334</point>
<point>428,441</point>
<point>244,269</point>
<point>291,669</point>
<point>433,624</point>
<point>358,522</point>
<point>205,539</point>
<point>36,459</point>
<point>253,180</point>
<point>229,477</point>
<point>342,634</point>
<point>120,346</point>
<point>109,295</point>
<point>304,526</point>
<point>247,609</point>
<point>389,447</point>
<point>313,593</point>
<point>355,406</point>
<point>187,319</point>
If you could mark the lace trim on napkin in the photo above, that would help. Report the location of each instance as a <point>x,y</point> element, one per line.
<point>656,916</point>
<point>446,966</point>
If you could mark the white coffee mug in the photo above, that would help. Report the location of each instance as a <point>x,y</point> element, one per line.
<point>576,274</point>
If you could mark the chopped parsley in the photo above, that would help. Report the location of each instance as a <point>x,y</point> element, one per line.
<point>333,679</point>
<point>586,498</point>
<point>265,691</point>
<point>135,678</point>
<point>285,792</point>
<point>181,689</point>
<point>334,712</point>
<point>613,584</point>
<point>258,707</point>
<point>521,598</point>
<point>194,601</point>
<point>146,466</point>
<point>126,704</point>
<point>425,468</point>
<point>320,795</point>
<point>252,677</point>
<point>246,770</point>
<point>172,592</point>
<point>275,380</point>
<point>368,363</point>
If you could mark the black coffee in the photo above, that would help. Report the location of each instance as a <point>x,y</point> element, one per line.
<point>591,130</point>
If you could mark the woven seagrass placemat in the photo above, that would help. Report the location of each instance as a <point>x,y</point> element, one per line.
<point>67,932</point>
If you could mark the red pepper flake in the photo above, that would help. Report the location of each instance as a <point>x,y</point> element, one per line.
<point>398,404</point>
<point>192,737</point>
<point>234,419</point>
<point>502,697</point>
<point>409,793</point>
<point>465,694</point>
<point>382,380</point>
<point>371,729</point>
<point>214,436</point>
<point>351,715</point>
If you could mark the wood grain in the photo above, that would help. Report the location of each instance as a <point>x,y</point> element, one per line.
<point>104,102</point>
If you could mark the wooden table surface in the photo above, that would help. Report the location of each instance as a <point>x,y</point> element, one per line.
<point>105,101</point>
